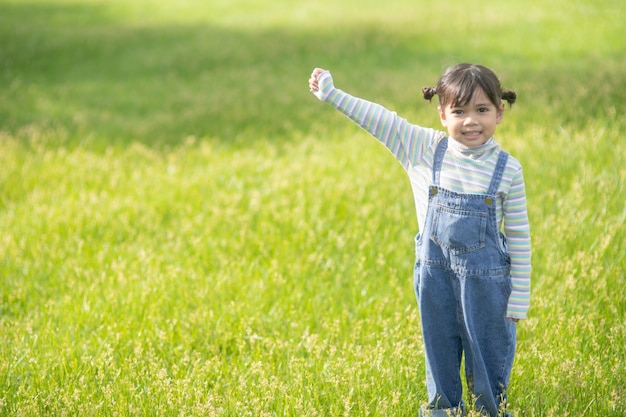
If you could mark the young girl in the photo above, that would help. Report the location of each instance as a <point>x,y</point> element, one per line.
<point>472,281</point>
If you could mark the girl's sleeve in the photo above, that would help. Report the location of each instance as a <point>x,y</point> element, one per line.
<point>517,230</point>
<point>410,144</point>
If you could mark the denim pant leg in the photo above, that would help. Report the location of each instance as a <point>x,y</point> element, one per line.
<point>488,339</point>
<point>435,289</point>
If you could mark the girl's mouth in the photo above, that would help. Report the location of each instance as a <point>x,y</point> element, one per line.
<point>472,134</point>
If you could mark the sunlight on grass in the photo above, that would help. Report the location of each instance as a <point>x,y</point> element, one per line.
<point>187,231</point>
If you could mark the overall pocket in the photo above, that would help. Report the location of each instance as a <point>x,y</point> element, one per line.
<point>459,230</point>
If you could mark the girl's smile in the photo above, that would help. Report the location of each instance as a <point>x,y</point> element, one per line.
<point>474,123</point>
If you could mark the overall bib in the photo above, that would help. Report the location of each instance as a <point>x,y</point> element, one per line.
<point>463,283</point>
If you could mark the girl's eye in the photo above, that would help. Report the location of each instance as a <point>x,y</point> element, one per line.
<point>457,111</point>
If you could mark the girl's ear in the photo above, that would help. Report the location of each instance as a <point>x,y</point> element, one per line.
<point>500,113</point>
<point>442,116</point>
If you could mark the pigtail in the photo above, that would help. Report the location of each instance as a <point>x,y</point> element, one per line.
<point>509,96</point>
<point>429,93</point>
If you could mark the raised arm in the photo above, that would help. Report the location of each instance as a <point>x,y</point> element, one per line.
<point>407,142</point>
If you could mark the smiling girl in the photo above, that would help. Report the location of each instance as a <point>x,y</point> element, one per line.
<point>472,281</point>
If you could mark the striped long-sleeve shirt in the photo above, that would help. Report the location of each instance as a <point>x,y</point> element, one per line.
<point>464,170</point>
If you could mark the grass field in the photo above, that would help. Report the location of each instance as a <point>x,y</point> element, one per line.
<point>186,230</point>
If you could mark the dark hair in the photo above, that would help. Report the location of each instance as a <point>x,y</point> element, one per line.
<point>457,84</point>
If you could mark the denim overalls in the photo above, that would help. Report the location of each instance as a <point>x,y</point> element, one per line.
<point>462,283</point>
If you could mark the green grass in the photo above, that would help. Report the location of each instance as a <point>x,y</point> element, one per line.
<point>186,230</point>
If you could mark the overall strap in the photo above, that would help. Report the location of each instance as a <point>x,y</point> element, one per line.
<point>497,173</point>
<point>438,159</point>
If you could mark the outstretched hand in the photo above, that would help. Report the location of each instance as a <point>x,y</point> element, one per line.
<point>313,81</point>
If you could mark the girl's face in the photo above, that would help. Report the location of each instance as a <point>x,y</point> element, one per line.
<point>472,124</point>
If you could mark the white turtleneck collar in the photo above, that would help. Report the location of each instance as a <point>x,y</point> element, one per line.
<point>475,152</point>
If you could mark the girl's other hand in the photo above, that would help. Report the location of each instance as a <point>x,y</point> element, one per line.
<point>313,82</point>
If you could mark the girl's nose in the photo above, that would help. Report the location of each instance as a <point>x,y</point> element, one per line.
<point>469,120</point>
